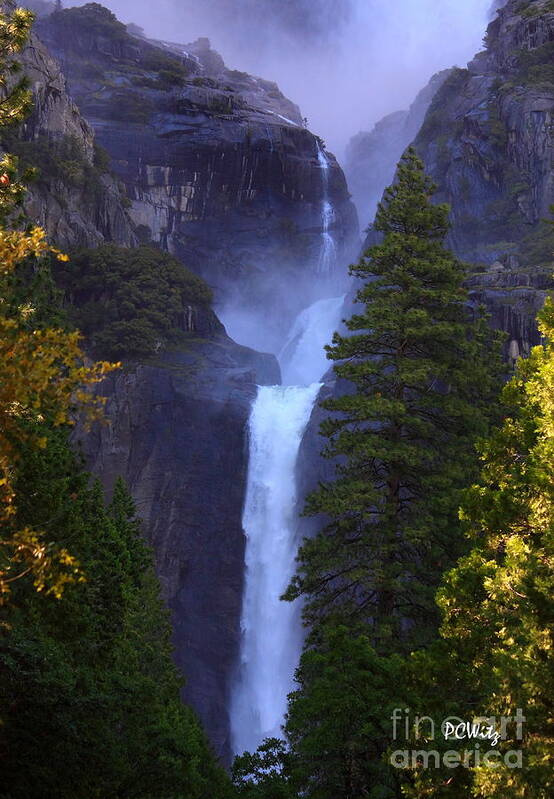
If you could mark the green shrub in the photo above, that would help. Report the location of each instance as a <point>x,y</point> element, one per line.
<point>156,60</point>
<point>537,248</point>
<point>62,161</point>
<point>220,104</point>
<point>145,82</point>
<point>537,66</point>
<point>498,132</point>
<point>531,9</point>
<point>209,83</point>
<point>541,74</point>
<point>102,158</point>
<point>171,77</point>
<point>129,302</point>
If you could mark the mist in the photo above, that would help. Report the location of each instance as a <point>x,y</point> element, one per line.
<point>346,63</point>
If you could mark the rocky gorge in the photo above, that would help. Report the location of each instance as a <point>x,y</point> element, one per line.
<point>217,165</point>
<point>159,143</point>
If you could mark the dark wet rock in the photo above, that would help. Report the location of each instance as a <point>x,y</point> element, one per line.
<point>488,138</point>
<point>177,433</point>
<point>73,212</point>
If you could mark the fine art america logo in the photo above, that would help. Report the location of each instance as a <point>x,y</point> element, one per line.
<point>473,743</point>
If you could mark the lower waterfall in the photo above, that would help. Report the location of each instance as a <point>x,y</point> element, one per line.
<point>271,629</point>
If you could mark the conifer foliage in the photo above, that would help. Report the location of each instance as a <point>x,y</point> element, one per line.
<point>498,603</point>
<point>419,385</point>
<point>89,697</point>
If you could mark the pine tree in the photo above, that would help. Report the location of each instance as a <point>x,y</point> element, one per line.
<point>498,603</point>
<point>339,720</point>
<point>419,388</point>
<point>419,379</point>
<point>264,774</point>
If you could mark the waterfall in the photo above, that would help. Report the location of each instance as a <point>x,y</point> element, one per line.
<point>272,635</point>
<point>271,629</point>
<point>328,251</point>
<point>303,358</point>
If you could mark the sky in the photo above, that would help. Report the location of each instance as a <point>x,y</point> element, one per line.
<point>346,63</point>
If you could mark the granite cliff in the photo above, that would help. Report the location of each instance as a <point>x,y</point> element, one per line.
<point>488,141</point>
<point>176,420</point>
<point>75,198</point>
<point>487,138</point>
<point>177,434</point>
<point>217,165</point>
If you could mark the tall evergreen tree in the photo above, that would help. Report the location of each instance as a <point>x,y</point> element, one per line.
<point>420,378</point>
<point>419,387</point>
<point>339,721</point>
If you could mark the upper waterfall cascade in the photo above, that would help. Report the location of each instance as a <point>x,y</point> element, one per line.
<point>303,358</point>
<point>328,252</point>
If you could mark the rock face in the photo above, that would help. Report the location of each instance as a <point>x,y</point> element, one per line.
<point>513,300</point>
<point>65,204</point>
<point>371,157</point>
<point>488,138</point>
<point>495,7</point>
<point>176,433</point>
<point>217,164</point>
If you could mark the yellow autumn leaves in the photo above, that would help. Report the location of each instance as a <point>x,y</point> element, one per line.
<point>42,377</point>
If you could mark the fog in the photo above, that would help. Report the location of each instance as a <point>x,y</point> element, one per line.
<point>346,63</point>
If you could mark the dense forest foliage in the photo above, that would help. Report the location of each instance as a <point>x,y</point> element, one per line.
<point>129,302</point>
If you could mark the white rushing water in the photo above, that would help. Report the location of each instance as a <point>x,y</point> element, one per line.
<point>271,629</point>
<point>328,251</point>
<point>272,634</point>
<point>303,358</point>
